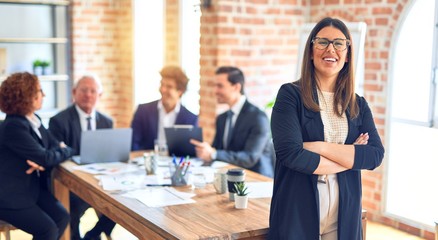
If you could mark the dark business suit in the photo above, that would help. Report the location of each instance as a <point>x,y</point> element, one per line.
<point>66,127</point>
<point>25,201</point>
<point>249,146</point>
<point>145,124</point>
<point>295,202</point>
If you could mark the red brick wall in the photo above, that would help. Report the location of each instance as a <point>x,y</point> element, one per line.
<point>172,36</point>
<point>256,36</point>
<point>101,33</point>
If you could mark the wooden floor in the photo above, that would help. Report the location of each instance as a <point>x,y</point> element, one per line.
<point>375,231</point>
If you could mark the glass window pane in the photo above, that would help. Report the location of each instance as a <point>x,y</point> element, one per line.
<point>190,56</point>
<point>148,49</point>
<point>412,64</point>
<point>31,21</point>
<point>412,165</point>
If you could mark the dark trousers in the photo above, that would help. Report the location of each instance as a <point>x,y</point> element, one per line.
<point>77,210</point>
<point>46,220</point>
<point>104,224</point>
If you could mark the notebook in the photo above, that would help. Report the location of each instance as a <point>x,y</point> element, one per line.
<point>105,145</point>
<point>178,139</point>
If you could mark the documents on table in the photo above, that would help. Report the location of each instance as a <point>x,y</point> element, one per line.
<point>107,168</point>
<point>259,189</point>
<point>161,196</point>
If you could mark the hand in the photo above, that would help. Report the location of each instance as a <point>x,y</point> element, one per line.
<point>203,150</point>
<point>33,167</point>
<point>62,144</point>
<point>362,139</point>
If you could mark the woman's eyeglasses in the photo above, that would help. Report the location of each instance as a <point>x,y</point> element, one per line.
<point>339,44</point>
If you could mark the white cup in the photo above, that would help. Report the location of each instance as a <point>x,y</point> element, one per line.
<point>160,148</point>
<point>220,181</point>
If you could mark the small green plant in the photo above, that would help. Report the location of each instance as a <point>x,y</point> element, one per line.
<point>241,189</point>
<point>36,63</point>
<point>44,64</point>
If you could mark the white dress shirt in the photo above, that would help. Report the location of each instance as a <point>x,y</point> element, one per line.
<point>166,119</point>
<point>83,118</point>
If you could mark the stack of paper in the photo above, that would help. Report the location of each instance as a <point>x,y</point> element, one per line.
<point>160,196</point>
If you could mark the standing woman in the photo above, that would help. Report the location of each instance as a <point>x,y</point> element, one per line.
<point>324,135</point>
<point>26,147</point>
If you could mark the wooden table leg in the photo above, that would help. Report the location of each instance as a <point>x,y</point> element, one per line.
<point>63,195</point>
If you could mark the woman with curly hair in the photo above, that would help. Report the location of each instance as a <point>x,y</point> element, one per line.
<point>25,200</point>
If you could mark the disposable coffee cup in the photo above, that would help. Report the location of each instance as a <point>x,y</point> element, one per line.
<point>235,175</point>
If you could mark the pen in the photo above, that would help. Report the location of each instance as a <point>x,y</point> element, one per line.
<point>38,172</point>
<point>180,161</point>
<point>187,168</point>
<point>174,160</point>
<point>158,185</point>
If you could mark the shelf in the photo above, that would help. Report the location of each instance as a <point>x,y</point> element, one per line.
<point>43,2</point>
<point>34,40</point>
<point>46,78</point>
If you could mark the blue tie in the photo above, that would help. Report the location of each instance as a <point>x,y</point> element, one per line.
<point>89,124</point>
<point>230,128</point>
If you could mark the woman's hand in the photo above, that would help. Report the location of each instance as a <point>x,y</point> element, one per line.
<point>362,139</point>
<point>33,167</point>
<point>62,145</point>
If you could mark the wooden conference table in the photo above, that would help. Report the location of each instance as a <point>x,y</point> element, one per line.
<point>213,216</point>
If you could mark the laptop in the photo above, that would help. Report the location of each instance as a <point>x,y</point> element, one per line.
<point>178,139</point>
<point>105,145</point>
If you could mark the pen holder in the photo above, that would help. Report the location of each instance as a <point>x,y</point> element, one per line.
<point>178,176</point>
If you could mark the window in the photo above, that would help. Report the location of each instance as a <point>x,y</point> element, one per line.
<point>148,49</point>
<point>190,51</point>
<point>412,154</point>
<point>37,32</point>
<point>149,38</point>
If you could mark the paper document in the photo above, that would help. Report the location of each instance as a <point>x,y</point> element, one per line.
<point>260,189</point>
<point>107,168</point>
<point>123,182</point>
<point>160,196</point>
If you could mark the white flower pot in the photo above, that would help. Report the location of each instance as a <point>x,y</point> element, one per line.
<point>240,202</point>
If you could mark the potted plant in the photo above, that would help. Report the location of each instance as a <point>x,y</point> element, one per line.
<point>37,67</point>
<point>241,195</point>
<point>44,65</point>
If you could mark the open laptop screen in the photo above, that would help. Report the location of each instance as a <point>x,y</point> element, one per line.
<point>105,145</point>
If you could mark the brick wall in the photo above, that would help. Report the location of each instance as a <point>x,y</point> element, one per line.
<point>101,33</point>
<point>172,36</point>
<point>256,36</point>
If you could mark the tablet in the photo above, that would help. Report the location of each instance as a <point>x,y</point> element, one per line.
<point>178,139</point>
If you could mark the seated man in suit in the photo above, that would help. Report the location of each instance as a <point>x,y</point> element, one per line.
<point>242,133</point>
<point>67,126</point>
<point>150,119</point>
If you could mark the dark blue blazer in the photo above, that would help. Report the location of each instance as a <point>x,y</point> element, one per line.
<point>66,126</point>
<point>249,146</point>
<point>145,124</point>
<point>295,202</point>
<point>18,143</point>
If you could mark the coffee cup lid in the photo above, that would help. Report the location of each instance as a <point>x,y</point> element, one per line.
<point>235,171</point>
